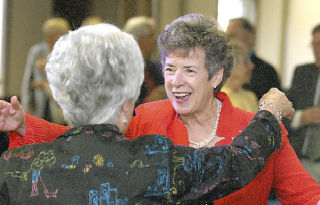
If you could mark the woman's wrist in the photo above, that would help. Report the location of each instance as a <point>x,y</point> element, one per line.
<point>266,105</point>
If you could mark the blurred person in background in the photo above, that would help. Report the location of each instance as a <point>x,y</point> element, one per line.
<point>143,29</point>
<point>91,20</point>
<point>264,76</point>
<point>240,75</point>
<point>305,95</point>
<point>36,96</point>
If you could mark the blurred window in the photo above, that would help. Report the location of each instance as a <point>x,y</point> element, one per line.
<point>228,9</point>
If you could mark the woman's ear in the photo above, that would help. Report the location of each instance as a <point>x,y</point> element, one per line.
<point>124,117</point>
<point>217,77</point>
<point>124,112</point>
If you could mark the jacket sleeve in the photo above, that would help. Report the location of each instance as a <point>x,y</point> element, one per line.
<point>38,130</point>
<point>221,170</point>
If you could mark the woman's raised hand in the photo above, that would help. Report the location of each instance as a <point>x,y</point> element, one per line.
<point>277,103</point>
<point>12,116</point>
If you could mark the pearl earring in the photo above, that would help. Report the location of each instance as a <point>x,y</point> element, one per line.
<point>125,120</point>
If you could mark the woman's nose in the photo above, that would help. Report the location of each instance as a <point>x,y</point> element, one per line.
<point>178,79</point>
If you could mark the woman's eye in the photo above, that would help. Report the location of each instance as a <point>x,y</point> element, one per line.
<point>191,71</point>
<point>168,69</point>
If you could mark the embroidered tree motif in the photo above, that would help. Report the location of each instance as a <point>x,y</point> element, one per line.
<point>45,160</point>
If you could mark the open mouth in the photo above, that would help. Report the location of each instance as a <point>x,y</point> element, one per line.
<point>181,96</point>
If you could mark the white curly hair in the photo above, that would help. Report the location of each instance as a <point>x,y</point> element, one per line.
<point>93,71</point>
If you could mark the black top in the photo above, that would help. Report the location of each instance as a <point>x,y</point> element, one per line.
<point>95,164</point>
<point>4,141</point>
<point>263,77</point>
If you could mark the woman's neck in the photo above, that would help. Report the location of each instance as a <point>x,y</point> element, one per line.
<point>202,127</point>
<point>203,118</point>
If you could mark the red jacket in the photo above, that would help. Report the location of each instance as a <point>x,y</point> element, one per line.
<point>283,171</point>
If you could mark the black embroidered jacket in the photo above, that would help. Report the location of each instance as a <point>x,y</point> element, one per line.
<point>96,165</point>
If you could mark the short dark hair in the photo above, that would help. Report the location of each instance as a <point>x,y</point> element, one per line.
<point>197,30</point>
<point>246,25</point>
<point>316,29</point>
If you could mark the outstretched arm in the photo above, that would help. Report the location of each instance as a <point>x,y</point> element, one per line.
<point>219,171</point>
<point>23,128</point>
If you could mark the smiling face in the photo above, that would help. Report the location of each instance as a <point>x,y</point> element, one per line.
<point>186,82</point>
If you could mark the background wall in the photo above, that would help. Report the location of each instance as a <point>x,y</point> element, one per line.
<point>269,32</point>
<point>24,29</point>
<point>170,10</point>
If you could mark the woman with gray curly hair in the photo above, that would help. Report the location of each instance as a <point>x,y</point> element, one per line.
<point>197,59</point>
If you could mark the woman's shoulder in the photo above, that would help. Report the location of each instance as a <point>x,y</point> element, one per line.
<point>162,106</point>
<point>155,112</point>
<point>151,118</point>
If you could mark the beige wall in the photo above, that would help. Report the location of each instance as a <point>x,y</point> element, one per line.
<point>172,9</point>
<point>168,11</point>
<point>24,22</point>
<point>269,30</point>
<point>207,7</point>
